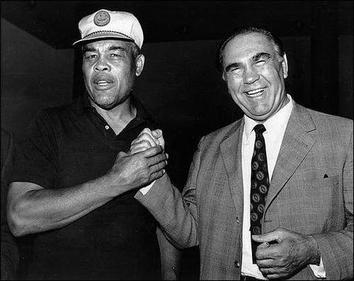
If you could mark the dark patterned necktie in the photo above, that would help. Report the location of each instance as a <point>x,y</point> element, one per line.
<point>259,184</point>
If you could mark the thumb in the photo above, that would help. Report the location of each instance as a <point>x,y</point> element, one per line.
<point>157,133</point>
<point>121,154</point>
<point>146,130</point>
<point>263,245</point>
<point>158,136</point>
<point>267,237</point>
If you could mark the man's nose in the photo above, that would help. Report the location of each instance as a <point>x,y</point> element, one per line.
<point>102,65</point>
<point>250,75</point>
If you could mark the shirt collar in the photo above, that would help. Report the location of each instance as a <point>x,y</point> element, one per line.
<point>278,120</point>
<point>83,105</point>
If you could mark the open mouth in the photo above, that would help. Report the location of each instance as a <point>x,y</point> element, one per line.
<point>255,93</point>
<point>102,83</point>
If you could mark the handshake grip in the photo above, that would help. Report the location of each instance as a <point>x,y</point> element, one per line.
<point>147,139</point>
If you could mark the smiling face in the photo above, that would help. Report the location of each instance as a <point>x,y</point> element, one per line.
<point>109,71</point>
<point>255,72</point>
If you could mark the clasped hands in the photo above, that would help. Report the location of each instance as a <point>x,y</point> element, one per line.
<point>141,165</point>
<point>147,139</point>
<point>283,252</point>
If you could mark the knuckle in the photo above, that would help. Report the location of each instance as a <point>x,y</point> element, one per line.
<point>144,162</point>
<point>120,154</point>
<point>139,163</point>
<point>146,174</point>
<point>145,136</point>
<point>159,161</point>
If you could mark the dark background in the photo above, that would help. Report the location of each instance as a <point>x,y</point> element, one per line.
<point>180,83</point>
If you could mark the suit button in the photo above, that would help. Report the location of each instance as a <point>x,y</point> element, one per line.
<point>237,264</point>
<point>237,220</point>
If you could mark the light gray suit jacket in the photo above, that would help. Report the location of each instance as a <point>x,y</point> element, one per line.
<point>311,192</point>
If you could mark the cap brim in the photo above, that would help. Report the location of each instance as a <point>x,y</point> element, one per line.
<point>103,35</point>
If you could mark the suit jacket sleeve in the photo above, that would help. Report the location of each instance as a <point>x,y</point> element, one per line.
<point>176,213</point>
<point>337,247</point>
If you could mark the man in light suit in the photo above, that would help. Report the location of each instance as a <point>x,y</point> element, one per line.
<point>307,223</point>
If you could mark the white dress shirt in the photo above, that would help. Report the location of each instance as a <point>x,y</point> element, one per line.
<point>273,136</point>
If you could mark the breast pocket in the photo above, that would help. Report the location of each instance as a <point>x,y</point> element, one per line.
<point>309,205</point>
<point>320,185</point>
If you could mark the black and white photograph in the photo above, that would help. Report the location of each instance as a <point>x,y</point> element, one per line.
<point>177,140</point>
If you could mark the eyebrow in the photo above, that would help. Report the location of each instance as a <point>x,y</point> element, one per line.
<point>88,49</point>
<point>114,48</point>
<point>256,57</point>
<point>232,65</point>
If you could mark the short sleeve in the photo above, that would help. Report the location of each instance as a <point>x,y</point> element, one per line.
<point>35,156</point>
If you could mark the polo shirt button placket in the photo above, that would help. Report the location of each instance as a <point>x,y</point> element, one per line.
<point>106,127</point>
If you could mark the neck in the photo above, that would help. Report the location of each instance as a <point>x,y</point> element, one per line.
<point>119,116</point>
<point>286,100</point>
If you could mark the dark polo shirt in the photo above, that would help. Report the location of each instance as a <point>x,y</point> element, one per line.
<point>70,145</point>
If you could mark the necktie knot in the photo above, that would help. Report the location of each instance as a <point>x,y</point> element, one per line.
<point>259,129</point>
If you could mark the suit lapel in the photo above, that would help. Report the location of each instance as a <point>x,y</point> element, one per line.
<point>295,146</point>
<point>231,154</point>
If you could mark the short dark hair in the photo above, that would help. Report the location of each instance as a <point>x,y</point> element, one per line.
<point>135,50</point>
<point>247,30</point>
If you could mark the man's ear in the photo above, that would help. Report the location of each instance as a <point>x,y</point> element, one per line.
<point>223,76</point>
<point>284,65</point>
<point>139,64</point>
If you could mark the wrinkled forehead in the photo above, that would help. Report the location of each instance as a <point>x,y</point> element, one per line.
<point>244,46</point>
<point>107,44</point>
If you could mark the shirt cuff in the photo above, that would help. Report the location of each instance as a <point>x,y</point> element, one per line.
<point>318,270</point>
<point>146,189</point>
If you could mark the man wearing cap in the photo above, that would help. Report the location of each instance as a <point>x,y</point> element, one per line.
<point>70,190</point>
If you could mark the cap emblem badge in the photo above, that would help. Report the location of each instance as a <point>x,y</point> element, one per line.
<point>102,18</point>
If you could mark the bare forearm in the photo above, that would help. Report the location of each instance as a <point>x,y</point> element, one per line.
<point>32,208</point>
<point>40,209</point>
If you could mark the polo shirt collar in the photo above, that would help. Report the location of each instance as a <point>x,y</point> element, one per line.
<point>83,105</point>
